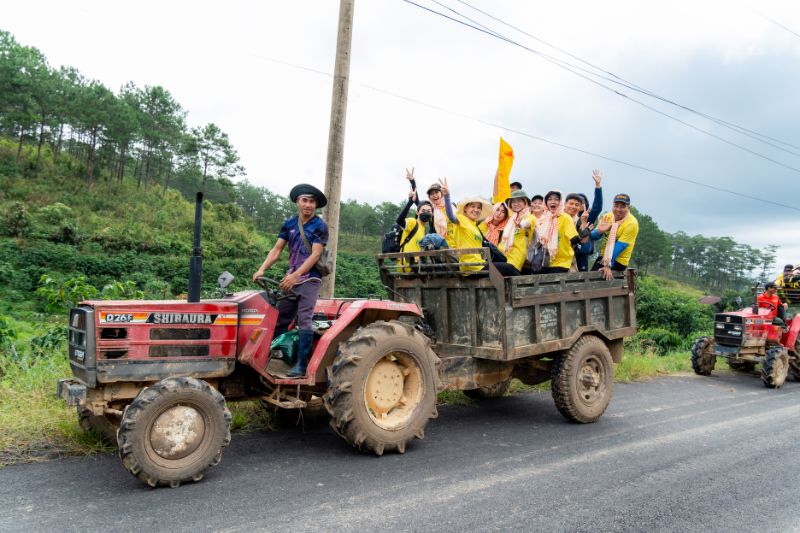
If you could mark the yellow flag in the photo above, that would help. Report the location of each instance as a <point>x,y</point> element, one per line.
<point>502,187</point>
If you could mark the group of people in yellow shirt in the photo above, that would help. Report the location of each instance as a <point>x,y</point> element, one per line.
<point>539,235</point>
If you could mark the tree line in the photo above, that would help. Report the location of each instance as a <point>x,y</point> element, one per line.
<point>59,110</point>
<point>141,133</point>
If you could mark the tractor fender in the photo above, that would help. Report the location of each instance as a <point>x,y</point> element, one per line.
<point>350,316</point>
<point>791,338</point>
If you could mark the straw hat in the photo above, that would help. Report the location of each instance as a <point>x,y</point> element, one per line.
<point>486,207</point>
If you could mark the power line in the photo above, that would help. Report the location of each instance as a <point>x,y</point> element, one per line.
<point>629,84</point>
<point>535,137</point>
<point>615,91</point>
<point>781,26</point>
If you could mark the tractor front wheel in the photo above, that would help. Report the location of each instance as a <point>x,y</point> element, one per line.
<point>174,431</point>
<point>582,380</point>
<point>775,367</point>
<point>703,358</point>
<point>383,387</point>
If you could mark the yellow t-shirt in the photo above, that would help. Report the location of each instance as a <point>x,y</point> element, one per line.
<point>626,232</point>
<point>413,243</point>
<point>465,234</point>
<point>450,229</point>
<point>522,238</point>
<point>566,231</point>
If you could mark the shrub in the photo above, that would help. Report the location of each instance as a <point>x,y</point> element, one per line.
<point>659,340</point>
<point>15,220</point>
<point>119,290</point>
<point>56,296</point>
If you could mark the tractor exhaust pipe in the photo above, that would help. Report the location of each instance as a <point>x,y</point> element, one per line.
<point>196,261</point>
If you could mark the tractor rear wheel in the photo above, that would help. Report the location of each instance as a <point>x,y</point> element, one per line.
<point>775,367</point>
<point>104,425</point>
<point>174,431</point>
<point>495,390</point>
<point>582,380</point>
<point>703,359</point>
<point>383,386</point>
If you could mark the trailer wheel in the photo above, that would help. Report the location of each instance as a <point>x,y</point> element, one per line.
<point>383,386</point>
<point>775,367</point>
<point>494,390</point>
<point>583,380</point>
<point>105,425</point>
<point>174,431</point>
<point>703,360</point>
<point>741,366</point>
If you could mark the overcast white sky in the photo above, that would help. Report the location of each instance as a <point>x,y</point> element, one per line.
<point>225,63</point>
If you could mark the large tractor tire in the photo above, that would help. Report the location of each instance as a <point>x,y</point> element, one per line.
<point>105,426</point>
<point>794,361</point>
<point>775,367</point>
<point>174,431</point>
<point>741,366</point>
<point>583,380</point>
<point>703,358</point>
<point>383,386</point>
<point>494,390</point>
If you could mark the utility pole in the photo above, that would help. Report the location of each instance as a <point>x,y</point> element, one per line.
<point>333,168</point>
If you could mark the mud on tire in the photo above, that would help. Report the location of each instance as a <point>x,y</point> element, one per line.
<point>775,367</point>
<point>583,380</point>
<point>494,390</point>
<point>383,385</point>
<point>703,361</point>
<point>174,431</point>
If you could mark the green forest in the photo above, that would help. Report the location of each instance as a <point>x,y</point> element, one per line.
<point>96,201</point>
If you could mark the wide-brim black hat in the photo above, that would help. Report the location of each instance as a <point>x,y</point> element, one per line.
<point>305,189</point>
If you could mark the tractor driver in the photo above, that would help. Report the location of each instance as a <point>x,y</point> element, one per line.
<point>769,299</point>
<point>302,277</point>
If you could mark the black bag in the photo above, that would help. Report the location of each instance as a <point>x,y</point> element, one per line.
<point>539,257</point>
<point>391,240</point>
<point>495,255</point>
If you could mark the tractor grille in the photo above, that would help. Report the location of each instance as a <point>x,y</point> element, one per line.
<point>729,329</point>
<point>81,348</point>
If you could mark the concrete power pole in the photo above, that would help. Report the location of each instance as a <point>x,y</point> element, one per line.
<point>333,169</point>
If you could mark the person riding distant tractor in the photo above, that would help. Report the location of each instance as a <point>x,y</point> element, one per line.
<point>769,300</point>
<point>305,249</point>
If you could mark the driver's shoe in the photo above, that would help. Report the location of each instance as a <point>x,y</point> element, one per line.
<point>305,339</point>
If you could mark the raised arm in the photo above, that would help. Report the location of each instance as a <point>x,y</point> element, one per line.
<point>401,218</point>
<point>448,205</point>
<point>597,203</point>
<point>412,181</point>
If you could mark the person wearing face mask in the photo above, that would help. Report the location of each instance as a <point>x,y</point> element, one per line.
<point>414,228</point>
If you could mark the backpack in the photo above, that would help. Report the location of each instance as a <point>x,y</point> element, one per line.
<point>325,263</point>
<point>391,240</point>
<point>539,257</point>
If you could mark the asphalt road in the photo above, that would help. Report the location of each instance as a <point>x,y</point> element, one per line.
<point>675,454</point>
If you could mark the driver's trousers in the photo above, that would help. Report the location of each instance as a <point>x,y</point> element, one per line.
<point>301,308</point>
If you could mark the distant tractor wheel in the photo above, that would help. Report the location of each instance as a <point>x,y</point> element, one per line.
<point>105,425</point>
<point>703,358</point>
<point>174,431</point>
<point>741,366</point>
<point>494,390</point>
<point>583,380</point>
<point>383,387</point>
<point>775,367</point>
<point>794,361</point>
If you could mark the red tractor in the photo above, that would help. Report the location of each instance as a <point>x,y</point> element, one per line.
<point>155,376</point>
<point>751,336</point>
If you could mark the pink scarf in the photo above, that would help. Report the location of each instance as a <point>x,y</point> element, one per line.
<point>439,217</point>
<point>512,226</point>
<point>493,230</point>
<point>608,252</point>
<point>547,229</point>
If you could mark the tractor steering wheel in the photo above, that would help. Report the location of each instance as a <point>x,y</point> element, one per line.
<point>767,305</point>
<point>273,287</point>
